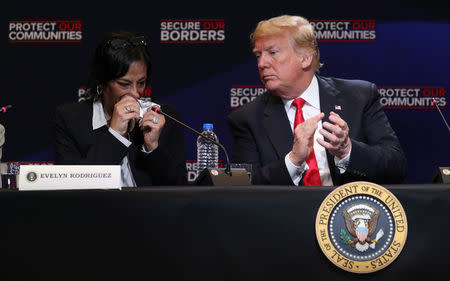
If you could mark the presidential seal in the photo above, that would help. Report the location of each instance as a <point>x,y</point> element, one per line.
<point>31,176</point>
<point>361,227</point>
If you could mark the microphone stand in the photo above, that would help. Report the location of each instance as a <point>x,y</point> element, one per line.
<point>440,175</point>
<point>227,168</point>
<point>435,103</point>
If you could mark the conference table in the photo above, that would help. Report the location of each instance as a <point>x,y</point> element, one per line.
<point>201,233</point>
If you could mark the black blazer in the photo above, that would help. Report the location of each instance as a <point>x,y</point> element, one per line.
<point>262,135</point>
<point>77,143</point>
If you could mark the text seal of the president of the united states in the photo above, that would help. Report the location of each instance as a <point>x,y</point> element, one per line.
<point>361,227</point>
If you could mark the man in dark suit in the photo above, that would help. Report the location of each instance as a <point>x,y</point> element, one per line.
<point>345,135</point>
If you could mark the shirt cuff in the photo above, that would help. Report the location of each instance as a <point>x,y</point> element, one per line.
<point>296,172</point>
<point>118,136</point>
<point>343,163</point>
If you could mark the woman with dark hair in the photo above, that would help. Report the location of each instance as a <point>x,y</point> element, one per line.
<point>110,128</point>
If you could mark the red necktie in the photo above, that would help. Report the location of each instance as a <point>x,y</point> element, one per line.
<point>312,176</point>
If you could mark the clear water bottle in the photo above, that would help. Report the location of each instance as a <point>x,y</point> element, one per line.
<point>207,152</point>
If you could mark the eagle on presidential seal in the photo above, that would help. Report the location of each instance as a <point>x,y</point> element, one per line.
<point>361,221</point>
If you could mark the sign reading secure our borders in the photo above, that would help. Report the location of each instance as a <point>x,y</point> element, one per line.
<point>361,227</point>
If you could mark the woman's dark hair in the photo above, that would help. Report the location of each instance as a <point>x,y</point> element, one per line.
<point>113,57</point>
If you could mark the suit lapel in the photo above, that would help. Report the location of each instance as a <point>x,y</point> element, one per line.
<point>328,102</point>
<point>277,126</point>
<point>328,94</point>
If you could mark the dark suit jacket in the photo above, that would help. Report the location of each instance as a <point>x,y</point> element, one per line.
<point>78,143</point>
<point>262,135</point>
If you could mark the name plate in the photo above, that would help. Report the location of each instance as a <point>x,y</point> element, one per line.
<point>68,177</point>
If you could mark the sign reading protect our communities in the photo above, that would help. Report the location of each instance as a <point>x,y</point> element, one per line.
<point>68,177</point>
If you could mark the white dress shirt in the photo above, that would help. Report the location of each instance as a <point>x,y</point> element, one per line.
<point>99,120</point>
<point>311,108</point>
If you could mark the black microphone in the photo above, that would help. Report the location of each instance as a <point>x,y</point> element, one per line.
<point>157,109</point>
<point>4,108</point>
<point>239,179</point>
<point>435,103</point>
<point>441,175</point>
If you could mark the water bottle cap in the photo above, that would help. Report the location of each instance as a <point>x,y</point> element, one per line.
<point>208,126</point>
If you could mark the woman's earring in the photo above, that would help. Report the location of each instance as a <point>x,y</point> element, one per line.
<point>99,90</point>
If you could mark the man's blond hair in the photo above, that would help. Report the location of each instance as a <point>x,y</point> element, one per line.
<point>301,34</point>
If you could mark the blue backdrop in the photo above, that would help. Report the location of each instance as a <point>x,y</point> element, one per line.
<point>409,52</point>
